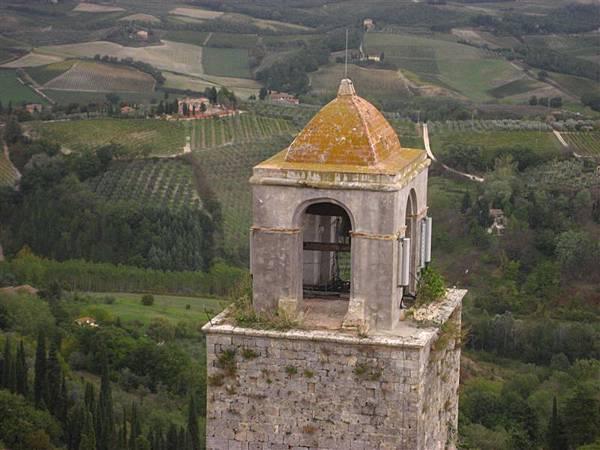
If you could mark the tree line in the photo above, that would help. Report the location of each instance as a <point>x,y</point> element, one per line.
<point>80,275</point>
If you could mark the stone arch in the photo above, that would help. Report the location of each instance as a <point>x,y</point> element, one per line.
<point>302,207</point>
<point>325,250</point>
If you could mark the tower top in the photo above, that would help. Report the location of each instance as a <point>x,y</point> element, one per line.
<point>346,87</point>
<point>347,131</point>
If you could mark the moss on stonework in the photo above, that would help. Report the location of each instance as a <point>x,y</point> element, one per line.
<point>244,315</point>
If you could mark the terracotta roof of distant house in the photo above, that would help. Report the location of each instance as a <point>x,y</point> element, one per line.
<point>24,288</point>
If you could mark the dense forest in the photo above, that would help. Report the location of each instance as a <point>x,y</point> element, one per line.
<point>573,18</point>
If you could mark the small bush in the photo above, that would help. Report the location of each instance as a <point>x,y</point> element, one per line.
<point>364,371</point>
<point>109,300</point>
<point>308,373</point>
<point>291,370</point>
<point>431,287</point>
<point>248,353</point>
<point>216,379</point>
<point>226,362</point>
<point>188,306</point>
<point>148,300</point>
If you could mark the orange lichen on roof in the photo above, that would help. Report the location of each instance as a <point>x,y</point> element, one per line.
<point>349,131</point>
<point>393,165</point>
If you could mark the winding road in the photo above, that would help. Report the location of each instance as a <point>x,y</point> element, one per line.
<point>449,169</point>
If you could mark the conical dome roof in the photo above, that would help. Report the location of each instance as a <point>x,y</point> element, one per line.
<point>349,130</point>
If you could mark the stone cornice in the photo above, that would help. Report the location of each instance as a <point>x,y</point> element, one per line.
<point>408,334</point>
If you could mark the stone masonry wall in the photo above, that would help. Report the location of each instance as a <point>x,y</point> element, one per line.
<point>439,405</point>
<point>313,391</point>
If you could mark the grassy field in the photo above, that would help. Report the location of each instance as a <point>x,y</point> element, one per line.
<point>33,59</point>
<point>232,40</point>
<point>196,13</point>
<point>467,70</point>
<point>242,87</point>
<point>582,46</point>
<point>584,144</point>
<point>11,90</point>
<point>288,40</point>
<point>171,56</point>
<point>42,74</point>
<point>99,77</point>
<point>8,173</point>
<point>575,86</point>
<point>140,17</point>
<point>138,137</point>
<point>206,133</point>
<point>369,83</point>
<point>85,97</point>
<point>187,36</point>
<point>165,182</point>
<point>6,55</point>
<point>94,8</point>
<point>226,62</point>
<point>515,87</point>
<point>128,307</point>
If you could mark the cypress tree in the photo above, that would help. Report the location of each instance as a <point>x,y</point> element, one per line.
<point>123,435</point>
<point>40,381</point>
<point>6,363</point>
<point>54,379</point>
<point>120,438</point>
<point>181,439</point>
<point>105,411</point>
<point>63,401</point>
<point>136,428</point>
<point>21,363</point>
<point>89,397</point>
<point>9,367</point>
<point>74,426</point>
<point>557,439</point>
<point>88,435</point>
<point>172,438</point>
<point>193,431</point>
<point>12,374</point>
<point>162,443</point>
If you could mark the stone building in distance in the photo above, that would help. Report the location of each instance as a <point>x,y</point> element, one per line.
<point>340,234</point>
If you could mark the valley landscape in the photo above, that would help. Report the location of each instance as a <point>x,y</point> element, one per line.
<point>130,130</point>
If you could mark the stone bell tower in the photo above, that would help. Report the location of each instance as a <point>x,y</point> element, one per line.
<point>340,234</point>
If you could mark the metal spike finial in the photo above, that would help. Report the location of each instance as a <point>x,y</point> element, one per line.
<point>346,58</point>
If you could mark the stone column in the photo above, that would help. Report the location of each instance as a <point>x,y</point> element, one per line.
<point>276,269</point>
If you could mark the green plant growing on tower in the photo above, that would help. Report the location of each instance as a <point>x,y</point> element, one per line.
<point>430,288</point>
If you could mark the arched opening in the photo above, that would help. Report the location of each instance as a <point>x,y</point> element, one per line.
<point>326,262</point>
<point>411,232</point>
